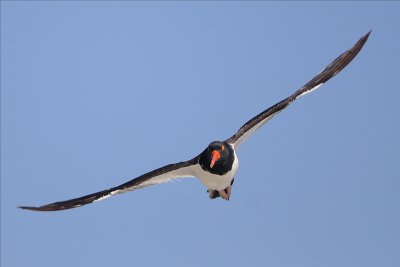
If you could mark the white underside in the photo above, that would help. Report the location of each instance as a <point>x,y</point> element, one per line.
<point>215,181</point>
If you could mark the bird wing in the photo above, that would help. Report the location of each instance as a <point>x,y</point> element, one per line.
<point>331,70</point>
<point>158,176</point>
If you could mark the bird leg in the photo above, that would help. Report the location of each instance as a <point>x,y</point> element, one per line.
<point>213,193</point>
<point>226,193</point>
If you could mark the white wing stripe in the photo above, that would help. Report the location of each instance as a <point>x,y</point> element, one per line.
<point>186,172</point>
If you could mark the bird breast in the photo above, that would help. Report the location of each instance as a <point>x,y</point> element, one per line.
<point>216,181</point>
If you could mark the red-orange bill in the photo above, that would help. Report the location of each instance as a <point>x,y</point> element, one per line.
<point>215,156</point>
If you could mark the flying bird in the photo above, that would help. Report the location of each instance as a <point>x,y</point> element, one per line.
<point>217,165</point>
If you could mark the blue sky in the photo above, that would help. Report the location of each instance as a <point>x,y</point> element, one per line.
<point>96,93</point>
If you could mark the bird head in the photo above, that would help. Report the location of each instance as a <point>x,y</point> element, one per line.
<point>216,149</point>
<point>217,158</point>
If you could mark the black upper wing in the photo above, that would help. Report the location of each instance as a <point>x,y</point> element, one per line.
<point>160,175</point>
<point>331,70</point>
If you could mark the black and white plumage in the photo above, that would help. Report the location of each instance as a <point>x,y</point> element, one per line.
<point>217,165</point>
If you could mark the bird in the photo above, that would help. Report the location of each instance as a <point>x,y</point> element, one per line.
<point>217,165</point>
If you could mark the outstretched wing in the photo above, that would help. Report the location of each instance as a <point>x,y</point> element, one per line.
<point>161,175</point>
<point>331,70</point>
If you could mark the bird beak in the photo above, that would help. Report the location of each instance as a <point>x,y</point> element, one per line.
<point>215,156</point>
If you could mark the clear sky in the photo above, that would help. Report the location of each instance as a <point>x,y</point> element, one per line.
<point>96,93</point>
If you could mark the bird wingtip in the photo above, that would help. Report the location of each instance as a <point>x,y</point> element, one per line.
<point>365,37</point>
<point>27,208</point>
